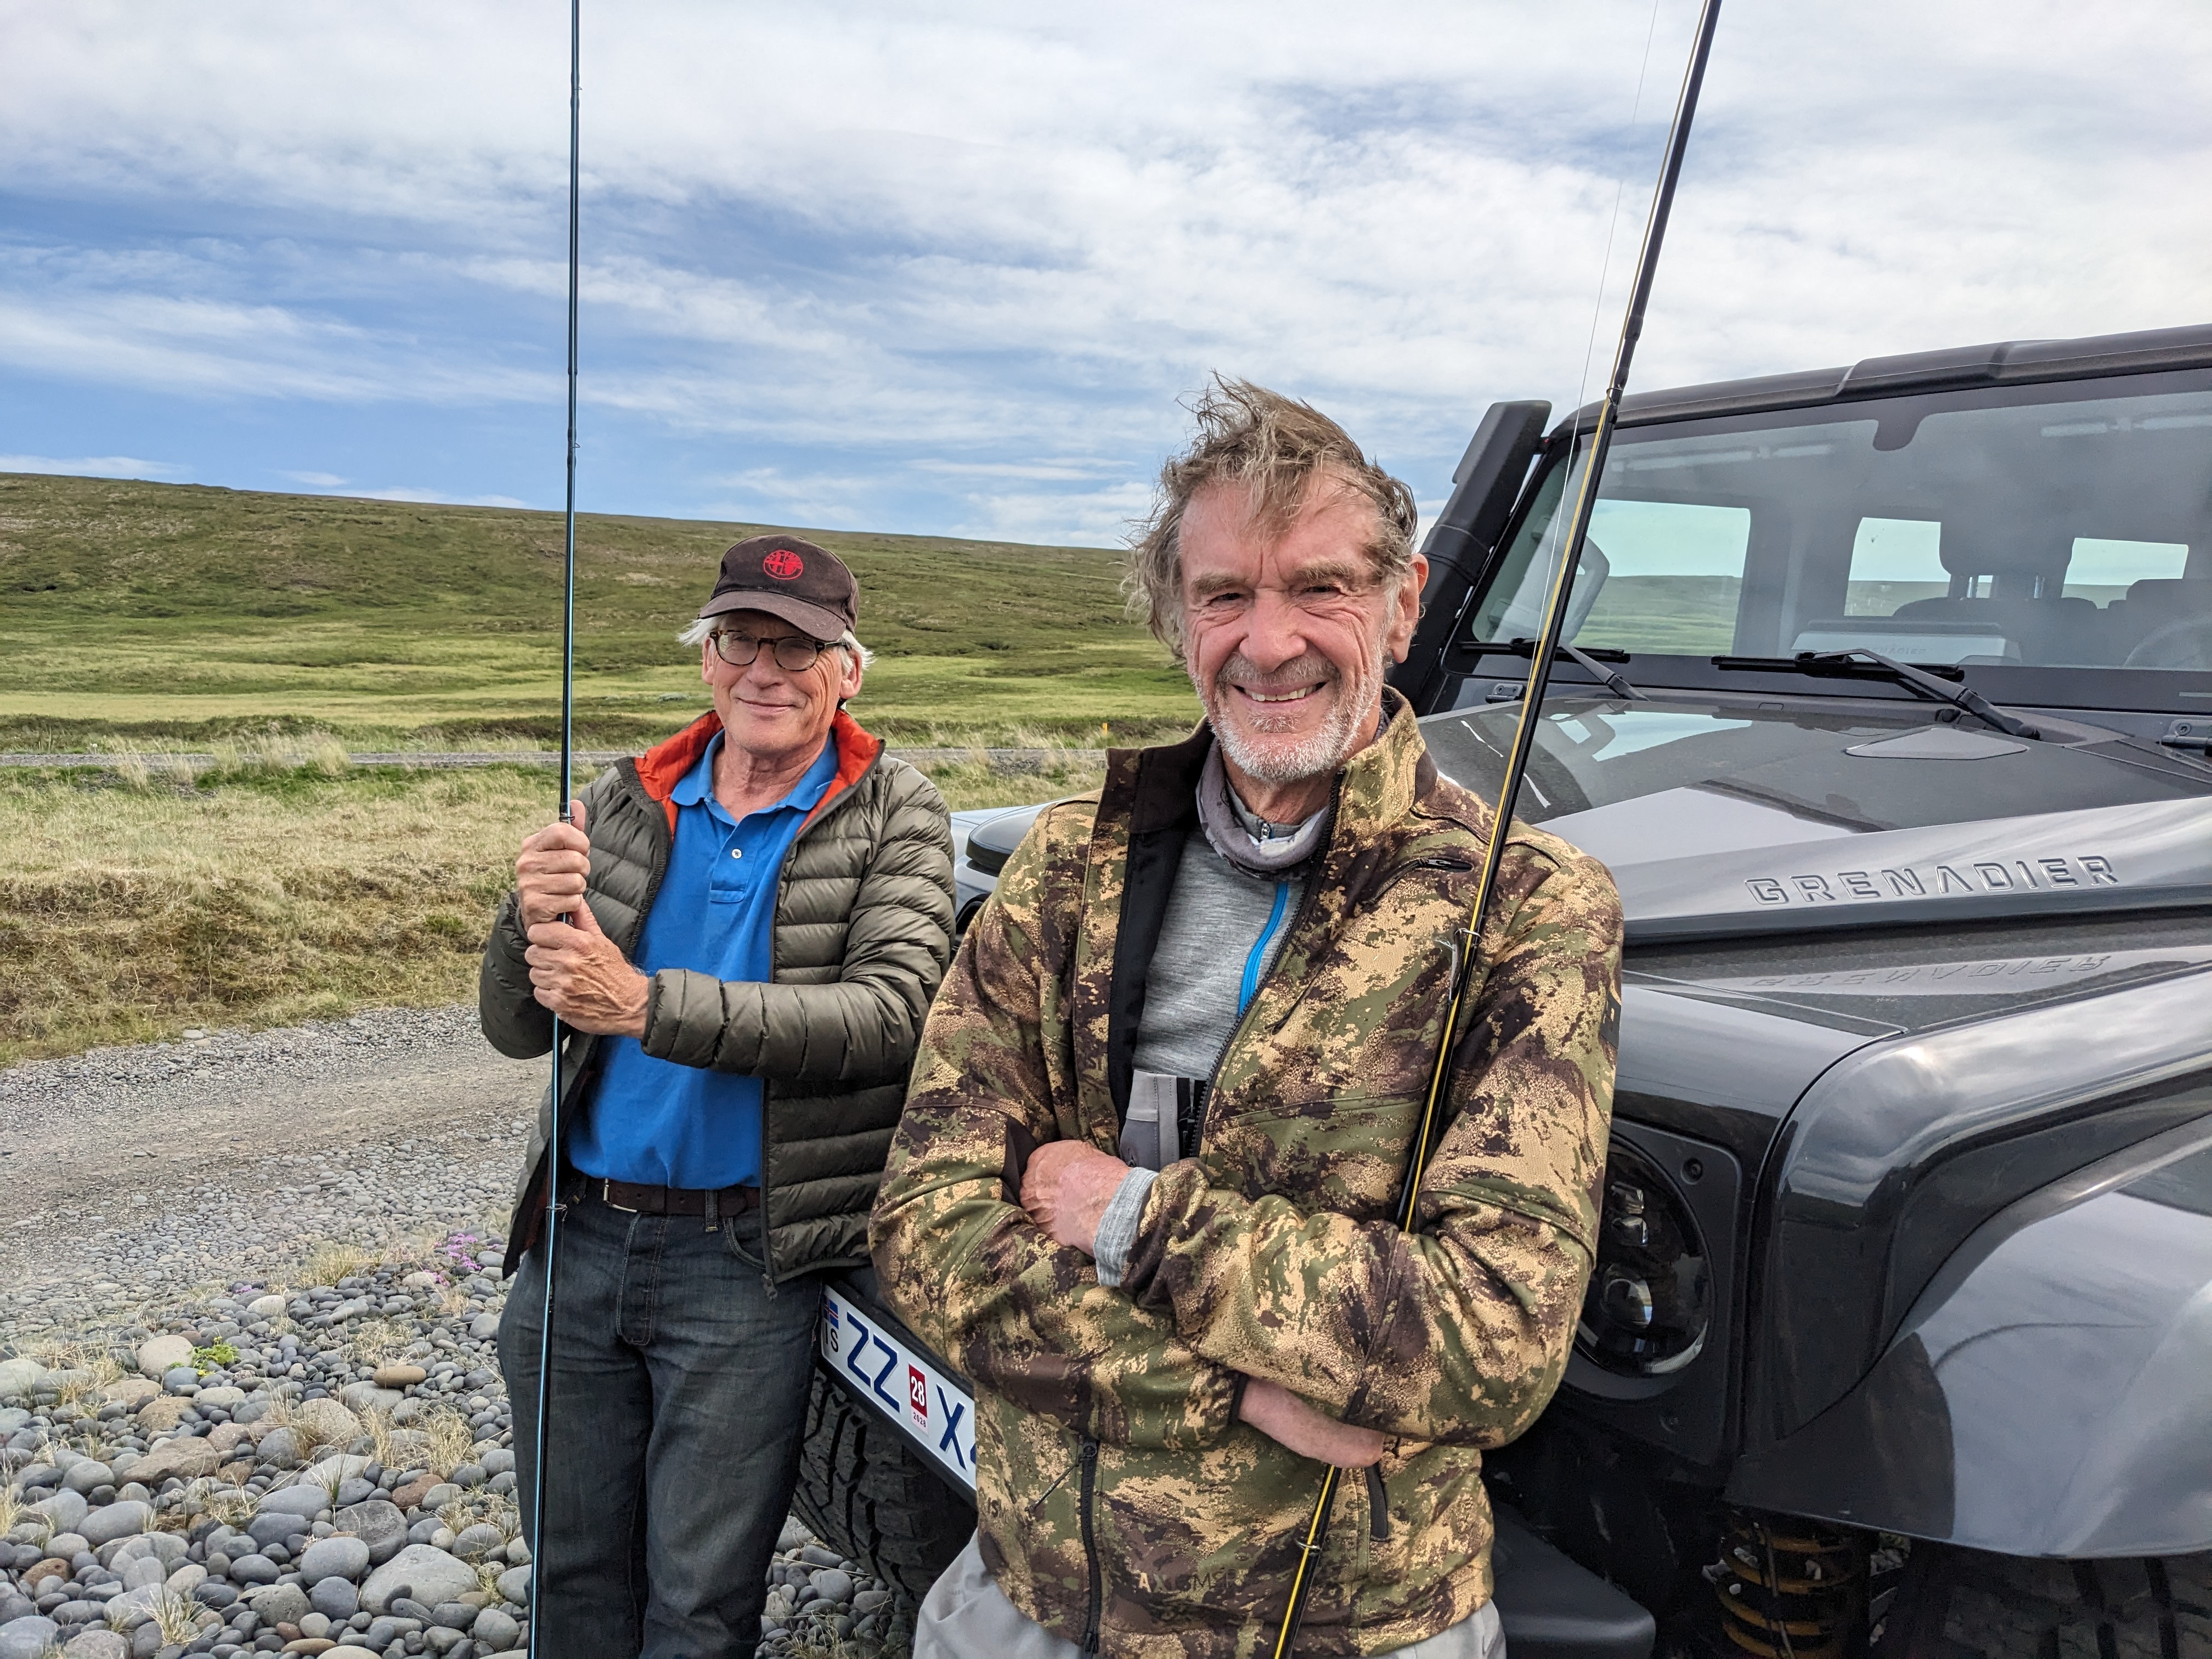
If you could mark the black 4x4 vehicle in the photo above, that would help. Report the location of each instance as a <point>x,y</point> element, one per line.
<point>1900,1330</point>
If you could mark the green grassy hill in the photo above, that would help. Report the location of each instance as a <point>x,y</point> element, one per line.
<point>144,611</point>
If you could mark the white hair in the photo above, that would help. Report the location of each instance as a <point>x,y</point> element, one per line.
<point>697,632</point>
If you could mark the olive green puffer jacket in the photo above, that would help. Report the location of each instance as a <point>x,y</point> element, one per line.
<point>863,932</point>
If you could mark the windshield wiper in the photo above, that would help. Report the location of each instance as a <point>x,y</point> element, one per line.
<point>1612,678</point>
<point>1918,681</point>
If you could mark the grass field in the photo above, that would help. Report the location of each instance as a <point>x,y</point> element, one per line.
<point>278,631</point>
<point>142,612</point>
<point>138,904</point>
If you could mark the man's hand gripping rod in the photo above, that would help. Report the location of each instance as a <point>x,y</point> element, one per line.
<point>539,1635</point>
<point>1524,732</point>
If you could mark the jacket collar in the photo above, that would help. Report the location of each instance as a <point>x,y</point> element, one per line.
<point>664,766</point>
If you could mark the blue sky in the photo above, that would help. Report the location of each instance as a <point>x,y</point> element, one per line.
<point>852,266</point>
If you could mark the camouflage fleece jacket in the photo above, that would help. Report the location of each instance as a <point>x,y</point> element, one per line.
<point>1121,1503</point>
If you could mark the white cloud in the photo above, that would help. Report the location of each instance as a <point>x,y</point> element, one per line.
<point>97,466</point>
<point>403,492</point>
<point>985,247</point>
<point>317,480</point>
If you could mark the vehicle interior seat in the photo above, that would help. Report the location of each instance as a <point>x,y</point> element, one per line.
<point>2047,628</point>
<point>2152,603</point>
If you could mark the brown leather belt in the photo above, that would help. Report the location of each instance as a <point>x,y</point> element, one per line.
<point>641,1200</point>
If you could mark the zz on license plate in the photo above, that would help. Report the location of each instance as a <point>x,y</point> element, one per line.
<point>938,1416</point>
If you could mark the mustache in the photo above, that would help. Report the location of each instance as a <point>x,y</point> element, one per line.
<point>1240,671</point>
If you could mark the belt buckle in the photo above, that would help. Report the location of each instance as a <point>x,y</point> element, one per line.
<point>607,1197</point>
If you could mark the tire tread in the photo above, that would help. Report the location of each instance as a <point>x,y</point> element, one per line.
<point>866,1493</point>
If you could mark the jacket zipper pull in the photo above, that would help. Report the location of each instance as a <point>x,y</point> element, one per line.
<point>1378,1505</point>
<point>1090,1548</point>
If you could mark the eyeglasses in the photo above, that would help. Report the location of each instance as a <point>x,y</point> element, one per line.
<point>794,652</point>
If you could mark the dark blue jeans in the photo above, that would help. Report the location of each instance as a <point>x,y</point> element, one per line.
<point>678,1404</point>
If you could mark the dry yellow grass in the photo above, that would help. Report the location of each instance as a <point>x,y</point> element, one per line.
<point>131,913</point>
<point>140,902</point>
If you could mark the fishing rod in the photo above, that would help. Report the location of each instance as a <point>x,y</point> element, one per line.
<point>537,1641</point>
<point>1524,733</point>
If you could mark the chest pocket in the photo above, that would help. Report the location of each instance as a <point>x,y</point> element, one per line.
<point>1318,1097</point>
<point>1346,1155</point>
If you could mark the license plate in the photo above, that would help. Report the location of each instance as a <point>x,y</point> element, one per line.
<point>938,1416</point>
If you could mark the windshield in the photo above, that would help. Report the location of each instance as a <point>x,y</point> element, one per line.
<point>2010,532</point>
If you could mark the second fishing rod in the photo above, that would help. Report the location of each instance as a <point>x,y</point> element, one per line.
<point>1469,966</point>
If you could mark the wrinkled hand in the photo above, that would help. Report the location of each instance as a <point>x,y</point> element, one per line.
<point>549,877</point>
<point>1067,1187</point>
<point>582,975</point>
<point>1282,1417</point>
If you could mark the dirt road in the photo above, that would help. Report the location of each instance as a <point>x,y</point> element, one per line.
<point>129,1175</point>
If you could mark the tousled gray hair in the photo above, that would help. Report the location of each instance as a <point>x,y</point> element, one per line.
<point>1280,449</point>
<point>697,632</point>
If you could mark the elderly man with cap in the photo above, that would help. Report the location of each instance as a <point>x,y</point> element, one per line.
<point>740,930</point>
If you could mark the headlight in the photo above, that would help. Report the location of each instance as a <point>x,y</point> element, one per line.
<point>1649,1304</point>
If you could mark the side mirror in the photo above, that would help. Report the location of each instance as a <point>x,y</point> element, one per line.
<point>1485,486</point>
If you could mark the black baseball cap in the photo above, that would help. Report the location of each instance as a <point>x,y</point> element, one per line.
<point>790,577</point>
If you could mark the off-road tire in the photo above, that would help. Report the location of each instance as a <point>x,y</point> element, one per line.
<point>1963,1604</point>
<point>865,1493</point>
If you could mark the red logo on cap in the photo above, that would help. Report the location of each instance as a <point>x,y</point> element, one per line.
<point>784,565</point>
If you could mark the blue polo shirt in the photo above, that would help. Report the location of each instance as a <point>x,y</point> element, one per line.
<point>653,1121</point>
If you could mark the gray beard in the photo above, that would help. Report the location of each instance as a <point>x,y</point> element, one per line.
<point>1318,755</point>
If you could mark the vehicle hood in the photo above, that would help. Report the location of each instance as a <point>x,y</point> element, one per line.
<point>1722,819</point>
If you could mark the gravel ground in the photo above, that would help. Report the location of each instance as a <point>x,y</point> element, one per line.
<point>172,1212</point>
<point>134,1174</point>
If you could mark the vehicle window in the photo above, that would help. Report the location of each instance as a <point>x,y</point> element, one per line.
<point>2068,524</point>
<point>1893,562</point>
<point>1674,577</point>
<point>2101,570</point>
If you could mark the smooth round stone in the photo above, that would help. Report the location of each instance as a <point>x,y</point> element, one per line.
<point>163,1354</point>
<point>144,1573</point>
<point>335,1598</point>
<point>429,1575</point>
<point>223,1398</point>
<point>87,1477</point>
<point>104,1526</point>
<point>265,1307</point>
<point>481,1539</point>
<point>254,1569</point>
<point>306,1500</point>
<point>833,1585</point>
<point>27,1638</point>
<point>65,1509</point>
<point>263,1530</point>
<point>495,1631</point>
<point>352,1650</point>
<point>282,1604</point>
<point>514,1586</point>
<point>97,1644</point>
<point>181,1379</point>
<point>339,1556</point>
<point>399,1377</point>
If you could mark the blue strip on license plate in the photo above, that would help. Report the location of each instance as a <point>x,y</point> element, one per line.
<point>938,1416</point>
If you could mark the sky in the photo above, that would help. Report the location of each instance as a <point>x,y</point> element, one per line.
<point>958,268</point>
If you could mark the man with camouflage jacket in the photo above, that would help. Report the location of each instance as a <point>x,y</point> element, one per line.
<point>1141,1192</point>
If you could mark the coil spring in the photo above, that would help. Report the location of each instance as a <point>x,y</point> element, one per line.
<point>1790,1589</point>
